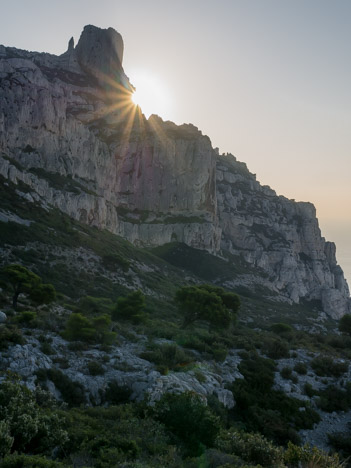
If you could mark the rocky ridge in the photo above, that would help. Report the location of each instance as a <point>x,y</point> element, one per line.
<point>69,132</point>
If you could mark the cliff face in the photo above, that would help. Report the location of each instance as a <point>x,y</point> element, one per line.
<point>69,131</point>
<point>150,181</point>
<point>280,236</point>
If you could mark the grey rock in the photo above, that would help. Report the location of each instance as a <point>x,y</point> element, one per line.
<point>3,317</point>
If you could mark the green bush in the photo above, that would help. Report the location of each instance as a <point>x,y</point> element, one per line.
<point>9,335</point>
<point>309,390</point>
<point>96,330</point>
<point>90,305</point>
<point>276,349</point>
<point>219,353</point>
<point>116,393</point>
<point>72,392</point>
<point>286,372</point>
<point>95,368</point>
<point>26,317</point>
<point>334,399</point>
<point>168,355</point>
<point>252,448</point>
<point>345,324</point>
<point>131,307</point>
<point>341,441</point>
<point>300,368</point>
<point>262,409</point>
<point>307,456</point>
<point>29,461</point>
<point>187,417</point>
<point>24,424</point>
<point>123,435</point>
<point>208,303</point>
<point>282,329</point>
<point>43,294</point>
<point>46,348</point>
<point>200,376</point>
<point>325,366</point>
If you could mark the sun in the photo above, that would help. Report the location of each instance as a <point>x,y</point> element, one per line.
<point>151,94</point>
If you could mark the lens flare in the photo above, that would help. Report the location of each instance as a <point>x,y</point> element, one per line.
<point>151,95</point>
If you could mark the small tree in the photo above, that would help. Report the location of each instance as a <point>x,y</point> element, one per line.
<point>96,330</point>
<point>190,419</point>
<point>79,327</point>
<point>21,280</point>
<point>43,294</point>
<point>25,425</point>
<point>345,324</point>
<point>209,303</point>
<point>130,307</point>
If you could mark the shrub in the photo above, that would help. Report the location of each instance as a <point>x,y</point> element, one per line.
<point>252,448</point>
<point>310,457</point>
<point>219,353</point>
<point>334,399</point>
<point>345,324</point>
<point>72,392</point>
<point>276,349</point>
<point>341,442</point>
<point>90,305</point>
<point>116,393</point>
<point>189,419</point>
<point>300,368</point>
<point>9,334</point>
<point>25,425</point>
<point>130,307</point>
<point>281,328</point>
<point>265,410</point>
<point>286,372</point>
<point>95,368</point>
<point>26,317</point>
<point>168,355</point>
<point>46,348</point>
<point>29,461</point>
<point>206,302</point>
<point>309,390</point>
<point>324,366</point>
<point>79,327</point>
<point>96,330</point>
<point>43,294</point>
<point>199,376</point>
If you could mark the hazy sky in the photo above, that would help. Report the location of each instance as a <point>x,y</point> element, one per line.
<point>267,80</point>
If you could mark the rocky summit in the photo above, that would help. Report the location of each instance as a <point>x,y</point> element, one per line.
<point>71,135</point>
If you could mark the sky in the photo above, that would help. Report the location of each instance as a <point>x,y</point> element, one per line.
<point>266,80</point>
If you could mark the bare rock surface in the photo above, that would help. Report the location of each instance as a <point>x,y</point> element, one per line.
<point>121,364</point>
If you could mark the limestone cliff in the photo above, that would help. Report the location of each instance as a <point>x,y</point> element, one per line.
<point>69,131</point>
<point>280,236</point>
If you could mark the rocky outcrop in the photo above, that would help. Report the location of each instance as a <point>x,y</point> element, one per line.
<point>69,131</point>
<point>121,365</point>
<point>279,236</point>
<point>99,52</point>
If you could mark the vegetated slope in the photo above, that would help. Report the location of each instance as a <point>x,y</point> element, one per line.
<point>99,263</point>
<point>156,356</point>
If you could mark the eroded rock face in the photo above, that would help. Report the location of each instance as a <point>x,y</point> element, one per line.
<point>279,236</point>
<point>100,52</point>
<point>149,181</point>
<point>69,131</point>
